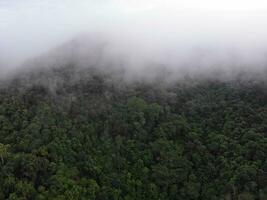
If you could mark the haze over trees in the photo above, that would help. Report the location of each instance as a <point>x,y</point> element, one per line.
<point>101,137</point>
<point>149,100</point>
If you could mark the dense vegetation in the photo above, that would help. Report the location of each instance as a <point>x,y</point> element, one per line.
<point>67,134</point>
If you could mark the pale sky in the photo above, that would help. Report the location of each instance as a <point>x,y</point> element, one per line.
<point>30,27</point>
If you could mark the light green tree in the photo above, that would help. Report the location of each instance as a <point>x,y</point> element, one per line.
<point>4,152</point>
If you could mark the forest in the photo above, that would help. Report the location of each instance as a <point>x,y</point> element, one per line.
<point>82,134</point>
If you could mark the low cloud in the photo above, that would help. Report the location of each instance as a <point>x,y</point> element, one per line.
<point>182,35</point>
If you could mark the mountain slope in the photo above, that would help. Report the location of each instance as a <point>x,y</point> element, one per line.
<point>84,133</point>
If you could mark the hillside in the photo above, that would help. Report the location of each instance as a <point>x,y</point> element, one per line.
<point>72,133</point>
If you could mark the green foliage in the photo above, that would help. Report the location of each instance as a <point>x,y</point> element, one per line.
<point>93,139</point>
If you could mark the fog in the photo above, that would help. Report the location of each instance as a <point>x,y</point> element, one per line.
<point>180,35</point>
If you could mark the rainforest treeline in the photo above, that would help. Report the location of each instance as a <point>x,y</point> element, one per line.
<point>67,134</point>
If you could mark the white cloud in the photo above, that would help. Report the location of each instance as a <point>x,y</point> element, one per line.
<point>153,28</point>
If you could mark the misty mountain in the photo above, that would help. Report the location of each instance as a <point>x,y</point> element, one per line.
<point>133,100</point>
<point>70,131</point>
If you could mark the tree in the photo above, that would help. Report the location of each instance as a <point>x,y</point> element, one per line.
<point>4,152</point>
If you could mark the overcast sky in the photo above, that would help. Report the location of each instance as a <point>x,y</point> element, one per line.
<point>154,28</point>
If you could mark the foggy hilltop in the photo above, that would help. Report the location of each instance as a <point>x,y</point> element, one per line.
<point>102,54</point>
<point>112,99</point>
<point>180,36</point>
